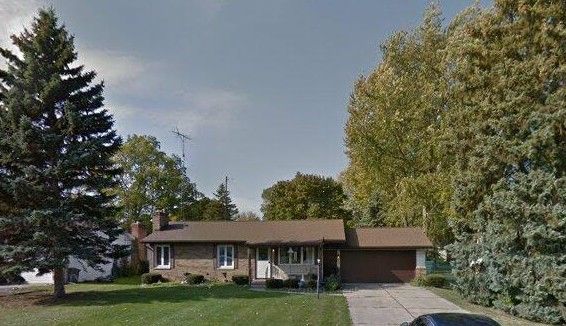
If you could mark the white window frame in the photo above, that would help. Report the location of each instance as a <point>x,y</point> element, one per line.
<point>302,254</point>
<point>223,265</point>
<point>305,251</point>
<point>160,264</point>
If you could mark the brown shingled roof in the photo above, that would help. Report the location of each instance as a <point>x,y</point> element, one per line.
<point>387,238</point>
<point>253,232</point>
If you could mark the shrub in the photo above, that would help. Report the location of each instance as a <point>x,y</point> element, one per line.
<point>291,283</point>
<point>433,280</point>
<point>124,271</point>
<point>273,283</point>
<point>194,278</point>
<point>11,279</point>
<point>241,279</point>
<point>143,267</point>
<point>310,281</point>
<point>150,278</point>
<point>17,279</point>
<point>332,283</point>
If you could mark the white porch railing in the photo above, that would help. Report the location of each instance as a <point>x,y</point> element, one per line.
<point>283,271</point>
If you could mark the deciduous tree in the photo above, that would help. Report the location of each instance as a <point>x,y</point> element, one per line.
<point>305,196</point>
<point>151,180</point>
<point>398,173</point>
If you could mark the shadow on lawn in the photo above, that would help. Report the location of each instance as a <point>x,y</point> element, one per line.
<point>168,294</point>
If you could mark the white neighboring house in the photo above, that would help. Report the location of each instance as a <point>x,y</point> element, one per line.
<point>86,273</point>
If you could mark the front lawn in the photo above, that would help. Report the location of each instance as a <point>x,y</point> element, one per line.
<point>123,303</point>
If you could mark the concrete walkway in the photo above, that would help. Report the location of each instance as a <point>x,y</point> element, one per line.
<point>392,304</point>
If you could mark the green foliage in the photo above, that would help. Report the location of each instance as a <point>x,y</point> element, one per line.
<point>332,283</point>
<point>130,269</point>
<point>508,132</point>
<point>241,279</point>
<point>227,209</point>
<point>306,196</point>
<point>273,283</point>
<point>194,278</point>
<point>9,279</point>
<point>151,180</point>
<point>398,172</point>
<point>433,280</point>
<point>142,267</point>
<point>56,144</point>
<point>310,281</point>
<point>291,283</point>
<point>246,216</point>
<point>151,278</point>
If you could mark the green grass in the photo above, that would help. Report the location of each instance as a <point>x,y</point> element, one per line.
<point>125,302</point>
<point>500,316</point>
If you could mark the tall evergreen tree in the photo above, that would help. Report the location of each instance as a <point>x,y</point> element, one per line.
<point>228,209</point>
<point>56,144</point>
<point>509,134</point>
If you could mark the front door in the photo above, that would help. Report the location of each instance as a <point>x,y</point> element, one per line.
<point>262,262</point>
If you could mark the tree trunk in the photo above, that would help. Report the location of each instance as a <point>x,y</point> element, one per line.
<point>59,282</point>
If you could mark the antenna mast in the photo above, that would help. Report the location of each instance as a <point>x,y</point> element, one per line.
<point>184,138</point>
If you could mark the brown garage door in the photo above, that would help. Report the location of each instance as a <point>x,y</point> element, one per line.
<point>377,266</point>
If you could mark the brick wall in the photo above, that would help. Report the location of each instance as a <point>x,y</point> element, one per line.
<point>197,258</point>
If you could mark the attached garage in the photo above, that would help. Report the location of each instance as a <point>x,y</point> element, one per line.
<point>377,266</point>
<point>382,255</point>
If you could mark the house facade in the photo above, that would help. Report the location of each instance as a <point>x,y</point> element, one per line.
<point>284,249</point>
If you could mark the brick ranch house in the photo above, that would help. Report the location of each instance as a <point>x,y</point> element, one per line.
<point>283,249</point>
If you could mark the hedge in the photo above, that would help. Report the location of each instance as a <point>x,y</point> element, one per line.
<point>241,279</point>
<point>150,278</point>
<point>194,278</point>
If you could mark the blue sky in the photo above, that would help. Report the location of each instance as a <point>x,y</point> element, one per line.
<point>260,86</point>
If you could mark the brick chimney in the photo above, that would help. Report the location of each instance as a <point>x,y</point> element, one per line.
<point>139,251</point>
<point>160,220</point>
<point>138,231</point>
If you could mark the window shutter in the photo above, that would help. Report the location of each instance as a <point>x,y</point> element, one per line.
<point>235,258</point>
<point>172,256</point>
<point>214,256</point>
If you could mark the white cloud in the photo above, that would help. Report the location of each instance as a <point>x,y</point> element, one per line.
<point>120,71</point>
<point>209,108</point>
<point>14,16</point>
<point>205,108</point>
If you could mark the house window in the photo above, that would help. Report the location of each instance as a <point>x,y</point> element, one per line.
<point>225,256</point>
<point>162,256</point>
<point>308,255</point>
<point>290,255</point>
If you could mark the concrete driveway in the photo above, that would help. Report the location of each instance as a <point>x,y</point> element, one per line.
<point>392,304</point>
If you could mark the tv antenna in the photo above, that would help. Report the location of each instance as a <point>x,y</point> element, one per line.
<point>184,138</point>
